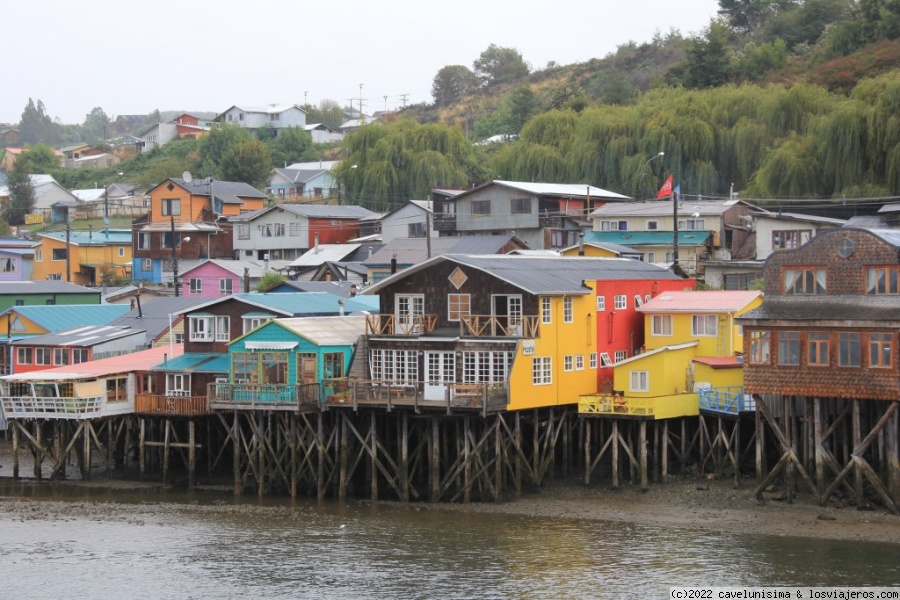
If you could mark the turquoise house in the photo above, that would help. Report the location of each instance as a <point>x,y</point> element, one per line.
<point>290,363</point>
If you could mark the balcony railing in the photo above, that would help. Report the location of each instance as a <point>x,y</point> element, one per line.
<point>36,407</point>
<point>263,395</point>
<point>417,394</point>
<point>499,326</point>
<point>384,324</point>
<point>657,407</point>
<point>729,400</point>
<point>176,405</point>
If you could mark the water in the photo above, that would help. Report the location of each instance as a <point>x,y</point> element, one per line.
<point>208,545</point>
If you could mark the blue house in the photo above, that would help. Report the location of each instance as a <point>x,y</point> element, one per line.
<point>286,362</point>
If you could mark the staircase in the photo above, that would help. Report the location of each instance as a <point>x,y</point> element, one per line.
<point>359,366</point>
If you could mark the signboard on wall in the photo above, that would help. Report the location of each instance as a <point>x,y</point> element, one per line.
<point>527,347</point>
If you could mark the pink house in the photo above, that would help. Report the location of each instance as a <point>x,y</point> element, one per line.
<point>216,277</point>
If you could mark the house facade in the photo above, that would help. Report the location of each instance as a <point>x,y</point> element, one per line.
<point>412,220</point>
<point>296,185</point>
<point>215,278</point>
<point>16,264</point>
<point>74,346</point>
<point>274,118</point>
<point>543,215</point>
<point>83,257</point>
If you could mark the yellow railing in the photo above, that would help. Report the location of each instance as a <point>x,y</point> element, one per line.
<point>657,407</point>
<point>384,324</point>
<point>499,326</point>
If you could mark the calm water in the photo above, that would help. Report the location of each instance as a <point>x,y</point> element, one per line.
<point>208,545</point>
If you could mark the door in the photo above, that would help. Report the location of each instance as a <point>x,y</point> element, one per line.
<point>306,367</point>
<point>440,369</point>
<point>507,313</point>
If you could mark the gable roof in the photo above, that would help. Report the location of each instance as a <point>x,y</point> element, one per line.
<point>700,301</point>
<point>619,249</point>
<point>311,211</point>
<point>338,288</point>
<point>410,251</point>
<point>647,238</point>
<point>324,253</point>
<point>154,317</point>
<point>116,237</point>
<point>229,192</point>
<point>82,337</point>
<point>426,206</point>
<point>256,268</point>
<point>325,331</point>
<point>651,208</point>
<point>50,286</point>
<point>58,317</point>
<point>546,276</point>
<point>144,360</point>
<point>293,305</point>
<point>300,175</point>
<point>561,190</point>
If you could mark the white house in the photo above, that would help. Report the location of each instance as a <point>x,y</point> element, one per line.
<point>411,220</point>
<point>275,117</point>
<point>47,192</point>
<point>323,134</point>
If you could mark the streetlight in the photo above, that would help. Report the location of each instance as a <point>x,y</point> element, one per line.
<point>175,248</point>
<point>647,164</point>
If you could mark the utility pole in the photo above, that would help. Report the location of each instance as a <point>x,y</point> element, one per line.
<point>404,97</point>
<point>68,248</point>
<point>360,104</point>
<point>174,257</point>
<point>676,268</point>
<point>428,231</point>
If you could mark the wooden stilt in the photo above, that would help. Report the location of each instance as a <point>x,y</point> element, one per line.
<point>373,464</point>
<point>857,470</point>
<point>15,447</point>
<point>467,460</point>
<point>664,451</point>
<point>589,423</point>
<point>320,455</point>
<point>192,454</point>
<point>498,461</point>
<point>435,456</point>
<point>38,457</point>
<point>344,457</point>
<point>236,453</point>
<point>615,454</point>
<point>167,425</point>
<point>642,442</point>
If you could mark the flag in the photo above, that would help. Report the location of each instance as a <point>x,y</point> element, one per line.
<point>666,190</point>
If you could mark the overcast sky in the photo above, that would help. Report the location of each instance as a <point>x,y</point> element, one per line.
<point>207,55</point>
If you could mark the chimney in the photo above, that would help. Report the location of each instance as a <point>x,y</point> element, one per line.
<point>394,263</point>
<point>580,244</point>
<point>354,289</point>
<point>246,280</point>
<point>341,303</point>
<point>317,242</point>
<point>370,252</point>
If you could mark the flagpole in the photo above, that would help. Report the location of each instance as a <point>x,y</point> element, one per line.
<point>676,268</point>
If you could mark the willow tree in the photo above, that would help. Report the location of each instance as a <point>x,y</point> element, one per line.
<point>792,170</point>
<point>387,164</point>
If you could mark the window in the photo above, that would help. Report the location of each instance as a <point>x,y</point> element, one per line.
<point>789,348</point>
<point>409,308</point>
<point>60,254</point>
<point>457,306</point>
<point>593,360</point>
<point>225,286</point>
<point>201,329</point>
<point>621,301</point>
<point>8,265</point>
<point>620,355</point>
<point>38,255</point>
<point>171,207</point>
<point>223,329</point>
<point>333,365</point>
<point>196,285</point>
<point>692,224</point>
<point>23,356</point>
<point>760,347</point>
<point>273,367</point>
<point>60,356</point>
<point>804,281</point>
<point>652,225</point>
<point>243,231</point>
<point>169,239</point>
<point>640,381</point>
<point>50,301</point>
<point>568,311</point>
<point>251,323</point>
<point>790,239</point>
<point>481,207</point>
<point>601,303</point>
<point>704,325</point>
<point>42,356</point>
<point>613,225</point>
<point>245,367</point>
<point>294,229</point>
<point>144,241</point>
<point>541,370</point>
<point>486,367</point>
<point>650,257</point>
<point>848,349</point>
<point>117,389</point>
<point>79,355</point>
<point>817,349</point>
<point>278,229</point>
<point>121,250</point>
<point>880,350</point>
<point>661,325</point>
<point>416,230</point>
<point>396,366</point>
<point>638,301</point>
<point>568,363</point>
<point>882,280</point>
<point>147,264</point>
<point>520,206</point>
<point>178,384</point>
<point>579,362</point>
<point>546,311</point>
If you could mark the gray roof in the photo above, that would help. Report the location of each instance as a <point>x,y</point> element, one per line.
<point>83,337</point>
<point>652,208</point>
<point>410,251</point>
<point>314,211</point>
<point>839,310</point>
<point>300,175</point>
<point>324,253</point>
<point>256,268</point>
<point>785,216</point>
<point>229,192</point>
<point>619,249</point>
<point>561,275</point>
<point>328,331</point>
<point>338,288</point>
<point>44,287</point>
<point>153,317</point>
<point>561,189</point>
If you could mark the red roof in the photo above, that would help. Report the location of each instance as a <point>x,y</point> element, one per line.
<point>700,301</point>
<point>144,360</point>
<point>720,362</point>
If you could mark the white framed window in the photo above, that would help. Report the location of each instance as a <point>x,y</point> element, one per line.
<point>620,355</point>
<point>243,231</point>
<point>223,329</point>
<point>601,303</point>
<point>196,285</point>
<point>593,360</point>
<point>692,224</point>
<point>605,360</point>
<point>621,301</point>
<point>541,370</point>
<point>294,229</point>
<point>568,310</point>
<point>121,250</point>
<point>178,384</point>
<point>546,311</point>
<point>147,264</point>
<point>23,356</point>
<point>408,308</point>
<point>42,356</point>
<point>568,362</point>
<point>486,366</point>
<point>60,356</point>
<point>638,301</point>
<point>202,329</point>
<point>38,255</point>
<point>579,362</point>
<point>395,366</point>
<point>704,325</point>
<point>251,323</point>
<point>613,225</point>
<point>79,355</point>
<point>640,381</point>
<point>226,286</point>
<point>661,325</point>
<point>650,257</point>
<point>647,298</point>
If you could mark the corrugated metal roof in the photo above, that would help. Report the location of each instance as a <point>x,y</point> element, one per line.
<point>324,253</point>
<point>59,317</point>
<point>545,275</point>
<point>647,238</point>
<point>410,251</point>
<point>699,301</point>
<point>197,362</point>
<point>145,360</point>
<point>18,288</point>
<point>154,316</point>
<point>837,309</point>
<point>578,190</point>
<point>663,208</point>
<point>95,238</point>
<point>328,331</point>
<point>83,337</point>
<point>296,304</point>
<point>257,268</point>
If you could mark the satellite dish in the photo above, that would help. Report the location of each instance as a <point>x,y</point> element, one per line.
<point>187,176</point>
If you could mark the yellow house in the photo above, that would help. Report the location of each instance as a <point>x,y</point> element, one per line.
<point>202,200</point>
<point>83,257</point>
<point>602,250</point>
<point>691,341</point>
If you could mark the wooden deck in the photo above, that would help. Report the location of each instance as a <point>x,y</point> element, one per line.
<point>660,407</point>
<point>179,406</point>
<point>726,400</point>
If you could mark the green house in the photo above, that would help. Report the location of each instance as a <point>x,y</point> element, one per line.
<point>291,362</point>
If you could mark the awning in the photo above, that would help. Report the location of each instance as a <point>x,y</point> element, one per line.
<point>270,345</point>
<point>197,362</point>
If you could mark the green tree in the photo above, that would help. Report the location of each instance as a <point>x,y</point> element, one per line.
<point>39,158</point>
<point>327,111</point>
<point>708,64</point>
<point>451,83</point>
<point>293,144</point>
<point>21,194</point>
<point>500,65</point>
<point>36,125</point>
<point>215,145</point>
<point>745,16</point>
<point>522,104</point>
<point>269,280</point>
<point>246,161</point>
<point>96,126</point>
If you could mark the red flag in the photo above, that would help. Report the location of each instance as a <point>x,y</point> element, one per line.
<point>666,190</point>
